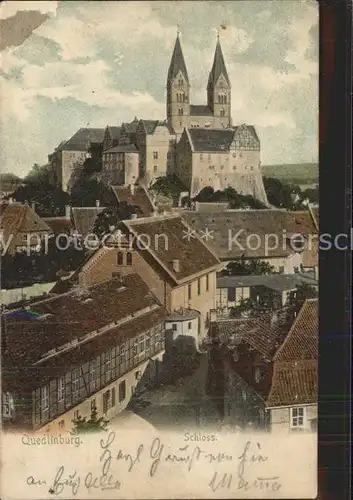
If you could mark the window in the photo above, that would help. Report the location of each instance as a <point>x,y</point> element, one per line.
<point>207,282</point>
<point>93,405</point>
<point>122,391</point>
<point>281,269</point>
<point>229,408</point>
<point>120,259</point>
<point>180,111</point>
<point>122,353</point>
<point>222,112</point>
<point>77,415</point>
<point>106,401</point>
<point>62,424</point>
<point>137,375</point>
<point>75,383</point>
<point>198,286</point>
<point>169,155</point>
<point>113,397</point>
<point>61,389</point>
<point>129,259</point>
<point>201,157</point>
<point>257,375</point>
<point>174,327</point>
<point>234,154</point>
<point>108,365</point>
<point>209,157</point>
<point>231,294</point>
<point>155,155</point>
<point>189,292</point>
<point>244,396</point>
<point>92,375</point>
<point>297,417</point>
<point>189,325</point>
<point>155,169</point>
<point>142,344</point>
<point>44,396</point>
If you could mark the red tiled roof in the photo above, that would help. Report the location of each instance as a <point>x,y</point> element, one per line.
<point>302,340</point>
<point>293,384</point>
<point>169,242</point>
<point>59,225</point>
<point>139,198</point>
<point>231,231</point>
<point>73,314</point>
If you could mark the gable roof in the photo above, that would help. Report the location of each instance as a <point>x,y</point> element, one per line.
<point>114,132</point>
<point>302,340</point>
<point>122,148</point>
<point>69,318</point>
<point>20,218</point>
<point>84,218</point>
<point>218,67</point>
<point>278,282</point>
<point>169,242</point>
<point>293,384</point>
<point>59,225</point>
<point>211,140</point>
<point>83,138</point>
<point>177,63</point>
<point>139,197</point>
<point>130,127</point>
<point>226,225</point>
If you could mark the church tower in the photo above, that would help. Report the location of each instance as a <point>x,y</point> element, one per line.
<point>219,91</point>
<point>178,91</point>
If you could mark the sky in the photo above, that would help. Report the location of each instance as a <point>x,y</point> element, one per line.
<point>67,65</point>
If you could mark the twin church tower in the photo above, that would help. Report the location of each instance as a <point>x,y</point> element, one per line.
<point>180,112</point>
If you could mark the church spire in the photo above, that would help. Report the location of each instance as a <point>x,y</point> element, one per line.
<point>177,63</point>
<point>219,66</point>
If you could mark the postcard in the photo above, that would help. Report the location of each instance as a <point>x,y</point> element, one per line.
<point>159,250</point>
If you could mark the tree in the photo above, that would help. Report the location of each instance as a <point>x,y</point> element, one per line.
<point>86,191</point>
<point>169,186</point>
<point>111,218</point>
<point>279,194</point>
<point>303,292</point>
<point>94,424</point>
<point>49,200</point>
<point>244,267</point>
<point>39,174</point>
<point>229,195</point>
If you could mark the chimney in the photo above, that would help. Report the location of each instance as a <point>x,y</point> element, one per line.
<point>67,211</point>
<point>176,265</point>
<point>133,216</point>
<point>132,189</point>
<point>10,200</point>
<point>97,203</point>
<point>33,205</point>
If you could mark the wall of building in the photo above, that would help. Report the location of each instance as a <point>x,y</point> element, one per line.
<point>202,303</point>
<point>158,142</point>
<point>222,298</point>
<point>18,294</point>
<point>69,160</point>
<point>183,163</point>
<point>242,406</point>
<point>280,418</point>
<point>131,378</point>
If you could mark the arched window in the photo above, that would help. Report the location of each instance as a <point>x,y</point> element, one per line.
<point>120,259</point>
<point>129,259</point>
<point>180,111</point>
<point>222,112</point>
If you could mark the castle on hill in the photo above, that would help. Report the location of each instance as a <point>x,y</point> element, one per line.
<point>197,143</point>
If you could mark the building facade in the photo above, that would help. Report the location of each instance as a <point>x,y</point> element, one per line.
<point>103,350</point>
<point>121,165</point>
<point>181,113</point>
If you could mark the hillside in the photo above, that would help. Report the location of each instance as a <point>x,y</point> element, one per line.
<point>298,173</point>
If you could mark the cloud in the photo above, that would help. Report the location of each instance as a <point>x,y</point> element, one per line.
<point>105,62</point>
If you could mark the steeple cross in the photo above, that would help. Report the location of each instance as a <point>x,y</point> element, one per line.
<point>178,30</point>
